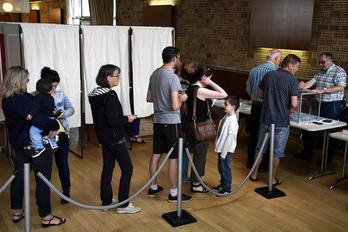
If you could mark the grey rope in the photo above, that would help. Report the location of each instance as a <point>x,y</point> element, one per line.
<point>111,206</point>
<point>12,177</point>
<point>8,182</point>
<point>243,181</point>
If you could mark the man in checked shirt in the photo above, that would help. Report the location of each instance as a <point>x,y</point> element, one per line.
<point>330,81</point>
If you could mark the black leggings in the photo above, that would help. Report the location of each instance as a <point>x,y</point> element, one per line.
<point>110,154</point>
<point>44,164</point>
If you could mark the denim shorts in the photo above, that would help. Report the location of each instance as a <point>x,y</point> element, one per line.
<point>281,135</point>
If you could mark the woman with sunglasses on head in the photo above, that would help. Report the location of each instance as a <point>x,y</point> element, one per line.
<point>200,80</point>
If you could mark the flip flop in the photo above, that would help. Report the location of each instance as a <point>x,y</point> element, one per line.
<point>137,139</point>
<point>278,182</point>
<point>60,221</point>
<point>198,188</point>
<point>17,217</point>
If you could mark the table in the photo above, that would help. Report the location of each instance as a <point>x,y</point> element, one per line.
<point>312,126</point>
<point>244,106</point>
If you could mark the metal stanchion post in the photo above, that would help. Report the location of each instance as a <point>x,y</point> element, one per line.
<point>271,154</point>
<point>269,191</point>
<point>179,203</point>
<point>179,217</point>
<point>27,218</point>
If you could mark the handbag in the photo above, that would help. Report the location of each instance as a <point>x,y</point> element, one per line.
<point>202,130</point>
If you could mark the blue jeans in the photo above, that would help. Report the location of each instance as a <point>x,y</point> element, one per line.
<point>281,135</point>
<point>224,167</point>
<point>36,138</point>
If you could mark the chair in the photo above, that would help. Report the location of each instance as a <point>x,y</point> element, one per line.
<point>343,137</point>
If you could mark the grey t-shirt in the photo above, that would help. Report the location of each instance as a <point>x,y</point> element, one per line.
<point>162,83</point>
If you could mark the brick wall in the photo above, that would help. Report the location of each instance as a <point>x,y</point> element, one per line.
<point>217,32</point>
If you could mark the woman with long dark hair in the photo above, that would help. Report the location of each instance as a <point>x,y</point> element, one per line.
<point>64,110</point>
<point>199,82</point>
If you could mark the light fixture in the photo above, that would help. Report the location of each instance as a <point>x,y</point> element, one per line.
<point>7,7</point>
<point>35,6</point>
<point>161,2</point>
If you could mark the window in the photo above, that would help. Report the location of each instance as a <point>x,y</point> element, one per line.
<point>78,12</point>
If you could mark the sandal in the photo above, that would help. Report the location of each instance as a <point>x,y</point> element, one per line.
<point>278,182</point>
<point>198,188</point>
<point>17,217</point>
<point>61,221</point>
<point>136,139</point>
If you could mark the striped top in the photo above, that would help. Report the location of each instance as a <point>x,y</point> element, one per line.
<point>333,76</point>
<point>255,76</point>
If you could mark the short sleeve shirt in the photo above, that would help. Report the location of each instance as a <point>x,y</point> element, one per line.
<point>278,88</point>
<point>334,76</point>
<point>162,83</point>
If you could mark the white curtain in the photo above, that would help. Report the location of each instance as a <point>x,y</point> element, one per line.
<point>105,45</point>
<point>147,46</point>
<point>57,47</point>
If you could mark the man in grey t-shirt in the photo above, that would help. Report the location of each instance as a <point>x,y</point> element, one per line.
<point>163,91</point>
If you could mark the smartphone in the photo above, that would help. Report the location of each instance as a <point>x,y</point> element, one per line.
<point>318,123</point>
<point>327,120</point>
<point>58,113</point>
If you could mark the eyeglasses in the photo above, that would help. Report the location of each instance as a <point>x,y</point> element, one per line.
<point>321,61</point>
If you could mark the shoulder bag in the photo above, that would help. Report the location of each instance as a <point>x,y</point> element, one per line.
<point>202,130</point>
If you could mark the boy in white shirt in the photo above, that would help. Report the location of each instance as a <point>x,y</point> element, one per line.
<point>226,142</point>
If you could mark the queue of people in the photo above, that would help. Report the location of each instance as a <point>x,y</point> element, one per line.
<point>38,127</point>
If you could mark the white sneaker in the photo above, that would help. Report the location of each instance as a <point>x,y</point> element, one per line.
<point>113,201</point>
<point>129,209</point>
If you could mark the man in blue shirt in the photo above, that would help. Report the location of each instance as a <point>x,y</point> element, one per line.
<point>279,91</point>
<point>252,87</point>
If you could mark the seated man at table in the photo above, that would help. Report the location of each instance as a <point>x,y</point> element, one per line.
<point>330,81</point>
<point>279,91</point>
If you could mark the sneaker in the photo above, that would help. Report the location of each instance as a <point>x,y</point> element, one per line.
<point>184,197</point>
<point>113,201</point>
<point>218,188</point>
<point>224,192</point>
<point>153,193</point>
<point>129,209</point>
<point>38,152</point>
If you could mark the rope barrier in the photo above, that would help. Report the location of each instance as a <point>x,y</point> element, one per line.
<point>9,181</point>
<point>243,181</point>
<point>111,206</point>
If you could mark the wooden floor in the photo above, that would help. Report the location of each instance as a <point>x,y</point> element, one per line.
<point>308,206</point>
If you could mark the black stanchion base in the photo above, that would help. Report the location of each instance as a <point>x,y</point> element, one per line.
<point>174,221</point>
<point>270,194</point>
